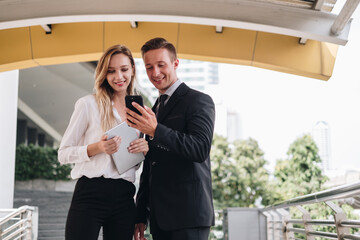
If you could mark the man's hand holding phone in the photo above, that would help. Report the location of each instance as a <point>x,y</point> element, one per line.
<point>128,102</point>
<point>145,120</point>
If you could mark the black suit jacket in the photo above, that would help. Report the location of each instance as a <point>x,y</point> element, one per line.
<point>175,186</point>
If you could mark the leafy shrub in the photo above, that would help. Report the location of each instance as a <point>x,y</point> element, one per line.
<point>33,162</point>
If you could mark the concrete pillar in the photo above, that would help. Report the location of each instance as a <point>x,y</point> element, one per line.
<point>21,131</point>
<point>9,82</point>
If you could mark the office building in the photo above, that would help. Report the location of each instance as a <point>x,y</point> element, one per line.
<point>321,135</point>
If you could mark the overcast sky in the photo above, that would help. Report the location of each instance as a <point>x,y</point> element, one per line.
<point>276,108</point>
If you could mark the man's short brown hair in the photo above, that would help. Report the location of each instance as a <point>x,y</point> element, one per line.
<point>157,43</point>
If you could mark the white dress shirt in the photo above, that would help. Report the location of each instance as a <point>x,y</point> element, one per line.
<point>84,129</point>
<point>169,92</point>
<point>172,89</point>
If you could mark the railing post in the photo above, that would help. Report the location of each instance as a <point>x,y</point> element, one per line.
<point>28,225</point>
<point>22,216</point>
<point>268,226</point>
<point>306,217</point>
<point>279,225</point>
<point>339,216</point>
<point>273,225</point>
<point>276,220</point>
<point>285,224</point>
<point>34,223</point>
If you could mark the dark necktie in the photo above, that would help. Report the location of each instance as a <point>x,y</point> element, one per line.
<point>161,105</point>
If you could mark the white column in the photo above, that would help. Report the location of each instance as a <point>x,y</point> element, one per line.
<point>9,82</point>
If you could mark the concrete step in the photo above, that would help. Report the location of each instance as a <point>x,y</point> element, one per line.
<point>51,233</point>
<point>47,226</point>
<point>52,220</point>
<point>51,238</point>
<point>53,210</point>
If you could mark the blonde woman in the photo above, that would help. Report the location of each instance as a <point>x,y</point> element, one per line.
<point>102,197</point>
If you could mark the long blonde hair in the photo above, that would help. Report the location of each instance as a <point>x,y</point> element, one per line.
<point>103,91</point>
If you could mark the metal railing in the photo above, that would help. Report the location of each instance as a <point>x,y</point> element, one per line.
<point>20,223</point>
<point>280,225</point>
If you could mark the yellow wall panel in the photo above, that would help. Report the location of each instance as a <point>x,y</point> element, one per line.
<point>203,43</point>
<point>284,52</point>
<point>303,73</point>
<point>70,58</point>
<point>328,56</point>
<point>134,38</point>
<point>15,46</point>
<point>67,40</point>
<point>18,65</point>
<point>78,42</point>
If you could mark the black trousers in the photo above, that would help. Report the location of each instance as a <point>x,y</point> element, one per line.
<point>198,233</point>
<point>182,234</point>
<point>101,202</point>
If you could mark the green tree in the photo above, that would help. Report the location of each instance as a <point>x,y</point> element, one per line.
<point>300,173</point>
<point>34,162</point>
<point>238,173</point>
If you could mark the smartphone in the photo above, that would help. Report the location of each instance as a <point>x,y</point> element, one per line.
<point>133,98</point>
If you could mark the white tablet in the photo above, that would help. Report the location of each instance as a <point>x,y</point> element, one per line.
<point>122,158</point>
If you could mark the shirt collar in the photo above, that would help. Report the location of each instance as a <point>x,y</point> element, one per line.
<point>172,88</point>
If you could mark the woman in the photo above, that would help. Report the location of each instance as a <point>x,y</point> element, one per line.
<point>102,197</point>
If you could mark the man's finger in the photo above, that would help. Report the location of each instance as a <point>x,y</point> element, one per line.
<point>140,108</point>
<point>137,232</point>
<point>129,123</point>
<point>149,110</point>
<point>132,119</point>
<point>142,230</point>
<point>132,113</point>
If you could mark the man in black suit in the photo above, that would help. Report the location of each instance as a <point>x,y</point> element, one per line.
<point>175,191</point>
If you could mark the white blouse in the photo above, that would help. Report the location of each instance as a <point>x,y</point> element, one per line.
<point>84,129</point>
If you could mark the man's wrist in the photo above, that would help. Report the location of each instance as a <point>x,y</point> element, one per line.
<point>152,135</point>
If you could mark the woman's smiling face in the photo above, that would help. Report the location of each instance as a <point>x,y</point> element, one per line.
<point>120,72</point>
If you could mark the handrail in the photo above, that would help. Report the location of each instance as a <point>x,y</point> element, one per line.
<point>351,223</point>
<point>339,219</point>
<point>315,222</point>
<point>17,232</point>
<point>340,192</point>
<point>19,223</point>
<point>15,213</point>
<point>350,236</point>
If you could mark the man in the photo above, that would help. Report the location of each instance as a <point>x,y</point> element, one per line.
<point>175,187</point>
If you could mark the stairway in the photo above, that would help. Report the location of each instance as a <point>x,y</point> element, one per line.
<point>53,208</point>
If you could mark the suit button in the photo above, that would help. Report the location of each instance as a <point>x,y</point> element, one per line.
<point>153,163</point>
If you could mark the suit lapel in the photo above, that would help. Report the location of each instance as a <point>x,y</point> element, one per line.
<point>175,97</point>
<point>154,106</point>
